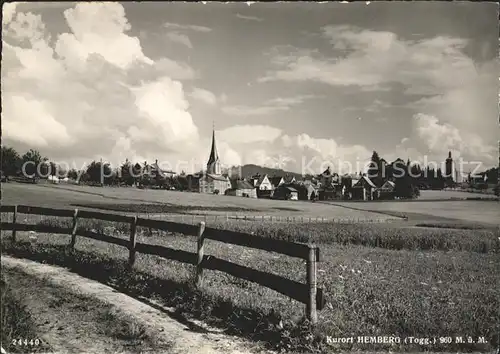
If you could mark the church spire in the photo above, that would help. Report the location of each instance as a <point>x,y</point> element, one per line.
<point>213,164</point>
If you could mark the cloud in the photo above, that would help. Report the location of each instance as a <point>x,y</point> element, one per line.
<point>187,27</point>
<point>369,59</point>
<point>271,106</point>
<point>204,96</point>
<point>242,110</point>
<point>245,134</point>
<point>97,34</point>
<point>458,90</point>
<point>290,101</point>
<point>38,130</point>
<point>269,146</point>
<point>8,12</point>
<point>250,18</point>
<point>443,137</point>
<point>180,38</point>
<point>105,98</point>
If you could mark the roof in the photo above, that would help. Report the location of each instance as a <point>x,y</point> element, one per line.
<point>241,184</point>
<point>214,156</point>
<point>275,180</point>
<point>367,180</point>
<point>327,172</point>
<point>291,189</point>
<point>155,167</point>
<point>288,179</point>
<point>388,184</point>
<point>217,177</point>
<point>250,180</point>
<point>260,180</point>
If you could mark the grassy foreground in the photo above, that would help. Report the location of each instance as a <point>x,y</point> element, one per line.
<point>377,281</point>
<point>17,322</point>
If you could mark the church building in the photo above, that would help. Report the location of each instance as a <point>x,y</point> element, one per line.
<point>213,181</point>
<point>451,175</point>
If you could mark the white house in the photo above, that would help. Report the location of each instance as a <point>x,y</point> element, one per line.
<point>263,183</point>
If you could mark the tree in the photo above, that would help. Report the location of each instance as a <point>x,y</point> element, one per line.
<point>73,174</point>
<point>33,163</point>
<point>99,172</point>
<point>373,169</point>
<point>11,161</point>
<point>127,174</point>
<point>136,172</point>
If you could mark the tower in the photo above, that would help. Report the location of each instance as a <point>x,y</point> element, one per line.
<point>449,168</point>
<point>213,164</point>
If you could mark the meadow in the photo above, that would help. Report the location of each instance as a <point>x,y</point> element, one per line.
<point>473,211</point>
<point>377,281</point>
<point>69,196</point>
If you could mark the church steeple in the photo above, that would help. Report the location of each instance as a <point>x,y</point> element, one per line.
<point>213,164</point>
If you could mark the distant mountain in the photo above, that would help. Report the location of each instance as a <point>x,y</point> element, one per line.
<point>250,170</point>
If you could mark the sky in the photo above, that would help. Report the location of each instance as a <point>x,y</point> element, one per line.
<point>298,86</point>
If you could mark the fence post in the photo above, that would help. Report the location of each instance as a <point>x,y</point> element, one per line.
<point>131,246</point>
<point>73,230</point>
<point>312,315</point>
<point>199,267</point>
<point>14,217</point>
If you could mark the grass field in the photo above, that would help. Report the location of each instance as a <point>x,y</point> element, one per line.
<point>487,212</point>
<point>378,279</point>
<point>432,204</point>
<point>72,196</point>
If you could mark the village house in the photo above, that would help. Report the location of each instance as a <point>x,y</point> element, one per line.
<point>286,192</point>
<point>330,187</point>
<point>264,186</point>
<point>263,183</point>
<point>386,191</point>
<point>288,179</point>
<point>154,171</point>
<point>363,189</point>
<point>241,188</point>
<point>312,191</point>
<point>152,175</point>
<point>276,181</point>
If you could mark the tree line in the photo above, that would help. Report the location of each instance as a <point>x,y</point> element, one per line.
<point>33,165</point>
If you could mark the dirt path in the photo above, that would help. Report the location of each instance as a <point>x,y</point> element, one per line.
<point>74,326</point>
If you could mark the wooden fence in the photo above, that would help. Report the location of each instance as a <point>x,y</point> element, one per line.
<point>307,293</point>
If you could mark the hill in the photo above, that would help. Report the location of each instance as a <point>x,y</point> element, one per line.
<point>250,170</point>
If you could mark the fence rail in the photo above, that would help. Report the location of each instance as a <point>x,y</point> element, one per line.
<point>307,292</point>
